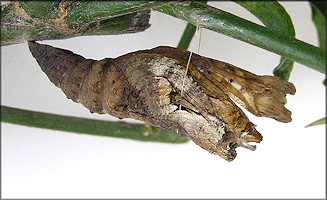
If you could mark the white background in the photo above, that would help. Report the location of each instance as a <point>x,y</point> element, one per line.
<point>40,163</point>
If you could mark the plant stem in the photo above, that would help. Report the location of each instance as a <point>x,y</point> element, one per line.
<point>274,16</point>
<point>187,36</point>
<point>83,13</point>
<point>33,20</point>
<point>141,132</point>
<point>223,22</point>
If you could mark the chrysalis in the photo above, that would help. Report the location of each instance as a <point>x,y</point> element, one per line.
<point>146,85</point>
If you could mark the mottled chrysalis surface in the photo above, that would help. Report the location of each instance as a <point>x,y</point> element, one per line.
<point>146,85</point>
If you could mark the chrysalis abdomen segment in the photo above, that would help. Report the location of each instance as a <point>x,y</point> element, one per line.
<point>114,93</point>
<point>72,80</point>
<point>90,93</point>
<point>79,78</point>
<point>54,62</point>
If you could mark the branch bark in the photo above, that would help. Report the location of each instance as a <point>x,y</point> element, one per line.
<point>38,20</point>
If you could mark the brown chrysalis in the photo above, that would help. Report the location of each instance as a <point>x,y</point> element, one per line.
<point>146,85</point>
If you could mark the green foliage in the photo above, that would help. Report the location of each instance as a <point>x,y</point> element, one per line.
<point>233,26</point>
<point>274,16</point>
<point>187,36</point>
<point>83,13</point>
<point>320,22</point>
<point>318,122</point>
<point>43,21</point>
<point>321,6</point>
<point>41,9</point>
